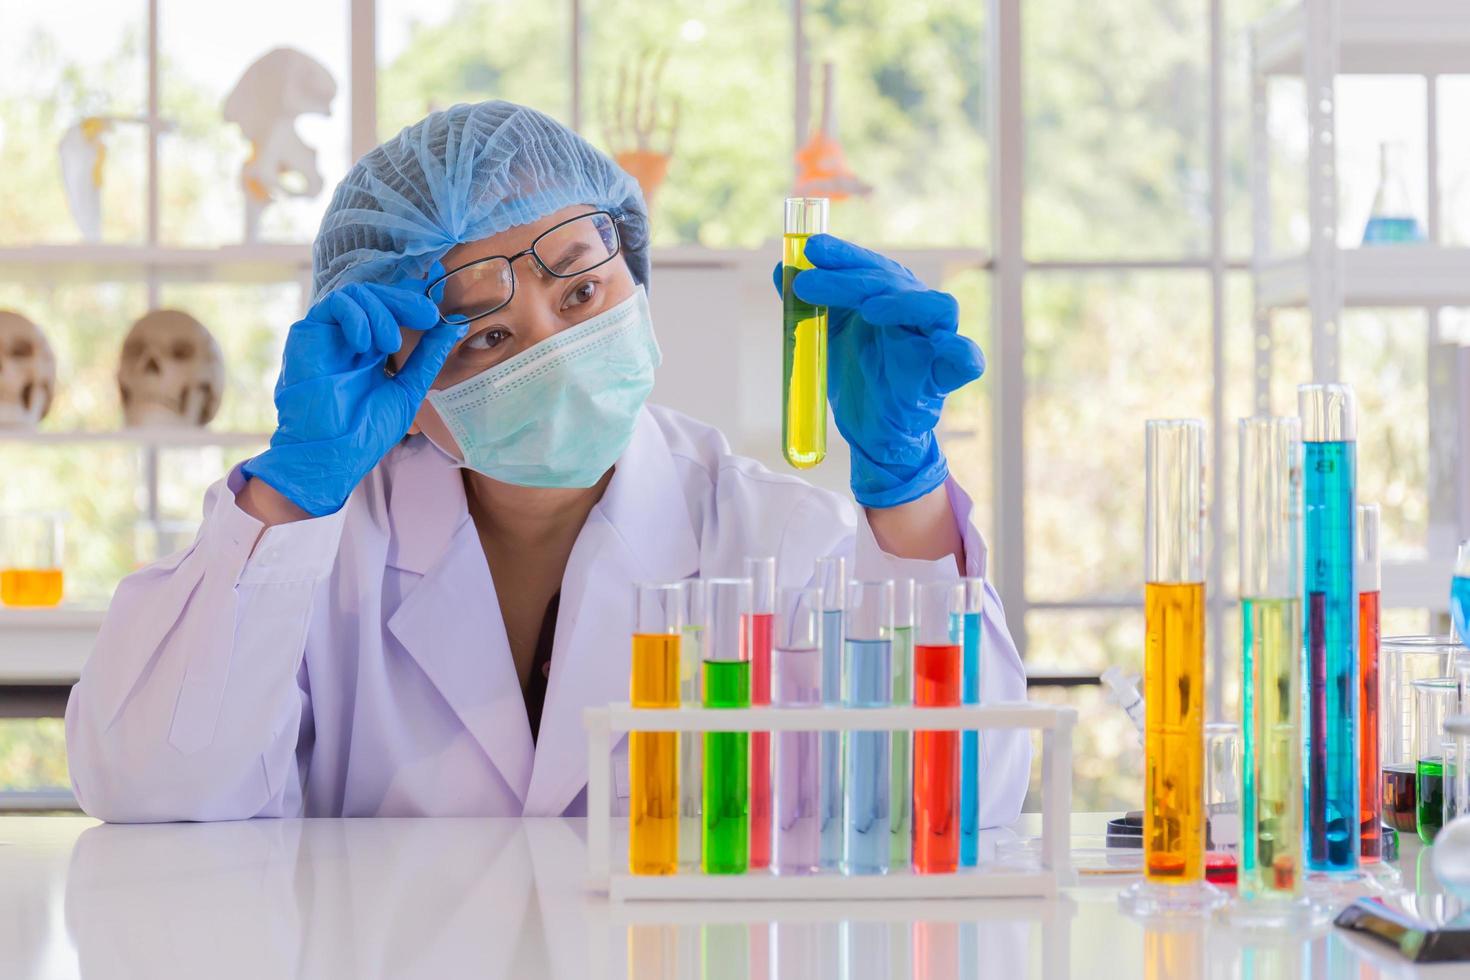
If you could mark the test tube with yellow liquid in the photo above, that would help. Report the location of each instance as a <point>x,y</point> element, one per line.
<point>30,559</point>
<point>1174,673</point>
<point>804,342</point>
<point>653,757</point>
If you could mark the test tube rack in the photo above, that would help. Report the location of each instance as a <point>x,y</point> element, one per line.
<point>1054,723</point>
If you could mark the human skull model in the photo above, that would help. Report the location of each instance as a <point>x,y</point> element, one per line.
<point>27,372</point>
<point>171,372</point>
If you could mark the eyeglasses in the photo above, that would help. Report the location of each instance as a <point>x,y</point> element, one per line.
<point>564,250</point>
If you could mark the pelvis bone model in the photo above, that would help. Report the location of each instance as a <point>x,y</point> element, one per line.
<point>279,86</point>
<point>171,372</point>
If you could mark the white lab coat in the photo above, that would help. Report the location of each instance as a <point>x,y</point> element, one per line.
<point>356,664</point>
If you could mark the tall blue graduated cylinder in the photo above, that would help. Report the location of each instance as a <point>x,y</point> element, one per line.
<point>972,629</point>
<point>1329,433</point>
<point>866,683</point>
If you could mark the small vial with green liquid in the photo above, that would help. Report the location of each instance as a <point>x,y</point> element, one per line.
<point>691,744</point>
<point>900,790</point>
<point>725,842</point>
<point>804,342</point>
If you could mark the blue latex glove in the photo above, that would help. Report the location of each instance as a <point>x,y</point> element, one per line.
<point>894,353</point>
<point>337,412</point>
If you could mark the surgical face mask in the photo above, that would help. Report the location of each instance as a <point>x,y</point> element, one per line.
<point>558,414</point>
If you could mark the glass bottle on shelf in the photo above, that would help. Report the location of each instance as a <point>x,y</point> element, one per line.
<point>1392,220</point>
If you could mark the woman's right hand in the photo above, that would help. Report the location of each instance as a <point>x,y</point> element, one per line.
<point>338,412</point>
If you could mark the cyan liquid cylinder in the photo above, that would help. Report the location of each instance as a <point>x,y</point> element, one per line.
<point>970,746</point>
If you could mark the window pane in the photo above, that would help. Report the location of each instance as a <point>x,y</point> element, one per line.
<point>1383,358</point>
<point>32,754</point>
<point>434,54</point>
<point>1239,16</point>
<point>1104,353</point>
<point>1116,128</point>
<point>968,419</point>
<point>911,87</point>
<point>1107,767</point>
<point>201,160</point>
<point>731,164</point>
<point>52,78</point>
<point>1454,160</point>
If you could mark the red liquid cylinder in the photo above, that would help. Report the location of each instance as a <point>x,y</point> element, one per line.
<point>937,675</point>
<point>1370,785</point>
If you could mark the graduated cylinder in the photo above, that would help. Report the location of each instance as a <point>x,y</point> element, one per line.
<point>1174,662</point>
<point>1370,786</point>
<point>1329,449</point>
<point>1271,614</point>
<point>653,757</point>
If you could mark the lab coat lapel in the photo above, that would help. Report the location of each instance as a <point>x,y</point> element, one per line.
<point>639,532</point>
<point>449,621</point>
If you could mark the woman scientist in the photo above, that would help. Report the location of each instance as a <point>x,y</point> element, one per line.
<point>404,604</point>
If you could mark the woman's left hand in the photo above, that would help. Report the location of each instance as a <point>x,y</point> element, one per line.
<point>894,354</point>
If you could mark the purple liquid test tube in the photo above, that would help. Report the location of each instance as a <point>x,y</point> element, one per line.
<point>796,668</point>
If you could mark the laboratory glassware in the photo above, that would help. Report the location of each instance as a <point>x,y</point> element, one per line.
<point>938,679</point>
<point>1222,802</point>
<point>832,578</point>
<point>1402,661</point>
<point>1391,219</point>
<point>1370,781</point>
<point>1270,504</point>
<point>725,840</point>
<point>972,633</point>
<point>1174,670</point>
<point>804,342</point>
<point>796,662</point>
<point>762,575</point>
<point>30,558</point>
<point>653,757</point>
<point>691,744</point>
<point>867,680</point>
<point>1329,432</point>
<point>900,787</point>
<point>1435,698</point>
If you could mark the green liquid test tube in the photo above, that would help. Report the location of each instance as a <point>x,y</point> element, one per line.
<point>725,842</point>
<point>901,786</point>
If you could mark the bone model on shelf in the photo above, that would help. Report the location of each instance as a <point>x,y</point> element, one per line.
<point>27,372</point>
<point>171,372</point>
<point>279,86</point>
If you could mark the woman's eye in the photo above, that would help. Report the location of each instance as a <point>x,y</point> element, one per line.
<point>583,293</point>
<point>486,340</point>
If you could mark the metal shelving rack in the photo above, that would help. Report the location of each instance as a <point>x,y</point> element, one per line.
<point>1317,40</point>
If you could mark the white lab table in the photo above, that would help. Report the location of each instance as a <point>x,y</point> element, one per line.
<point>505,898</point>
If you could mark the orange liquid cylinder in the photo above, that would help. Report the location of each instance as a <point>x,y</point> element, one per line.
<point>1174,677</point>
<point>30,586</point>
<point>653,760</point>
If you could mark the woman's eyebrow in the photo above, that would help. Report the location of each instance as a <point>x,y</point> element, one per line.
<point>574,251</point>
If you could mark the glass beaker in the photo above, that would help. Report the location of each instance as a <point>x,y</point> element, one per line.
<point>1402,660</point>
<point>1435,699</point>
<point>1222,801</point>
<point>30,558</point>
<point>1456,741</point>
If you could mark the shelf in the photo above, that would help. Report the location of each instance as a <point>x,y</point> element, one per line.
<point>47,646</point>
<point>264,263</point>
<point>1402,37</point>
<point>160,437</point>
<point>1384,275</point>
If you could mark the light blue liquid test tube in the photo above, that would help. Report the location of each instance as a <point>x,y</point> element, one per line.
<point>867,680</point>
<point>831,578</point>
<point>1329,449</point>
<point>971,630</point>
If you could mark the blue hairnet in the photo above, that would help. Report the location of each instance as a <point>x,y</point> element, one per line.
<point>460,175</point>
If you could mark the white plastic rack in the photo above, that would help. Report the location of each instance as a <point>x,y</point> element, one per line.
<point>1054,723</point>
